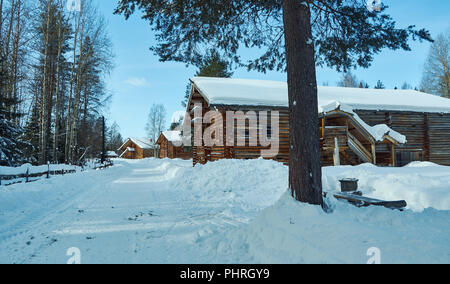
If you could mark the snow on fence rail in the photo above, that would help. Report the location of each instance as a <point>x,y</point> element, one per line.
<point>25,172</point>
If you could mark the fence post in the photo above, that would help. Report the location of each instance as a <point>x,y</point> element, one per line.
<point>48,169</point>
<point>26,175</point>
<point>1,179</point>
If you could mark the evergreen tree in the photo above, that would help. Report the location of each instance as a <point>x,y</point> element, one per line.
<point>406,86</point>
<point>174,125</point>
<point>7,103</point>
<point>211,66</point>
<point>31,135</point>
<point>53,62</point>
<point>380,85</point>
<point>296,36</point>
<point>10,153</point>
<point>363,85</point>
<point>176,122</point>
<point>10,143</point>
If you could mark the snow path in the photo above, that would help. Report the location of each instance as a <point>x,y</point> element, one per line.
<point>125,214</point>
<point>230,211</point>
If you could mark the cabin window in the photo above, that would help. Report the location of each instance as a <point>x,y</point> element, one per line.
<point>405,157</point>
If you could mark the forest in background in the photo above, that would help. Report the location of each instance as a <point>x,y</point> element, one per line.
<point>53,63</point>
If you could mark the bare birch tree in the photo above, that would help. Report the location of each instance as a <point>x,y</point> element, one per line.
<point>69,55</point>
<point>156,121</point>
<point>436,76</point>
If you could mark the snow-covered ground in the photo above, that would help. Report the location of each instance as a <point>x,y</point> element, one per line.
<point>165,211</point>
<point>34,169</point>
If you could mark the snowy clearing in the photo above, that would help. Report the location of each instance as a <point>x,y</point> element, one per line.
<point>165,211</point>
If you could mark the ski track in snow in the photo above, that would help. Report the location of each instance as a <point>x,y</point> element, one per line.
<point>166,211</point>
<point>128,213</point>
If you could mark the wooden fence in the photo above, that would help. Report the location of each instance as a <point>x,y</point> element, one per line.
<point>31,177</point>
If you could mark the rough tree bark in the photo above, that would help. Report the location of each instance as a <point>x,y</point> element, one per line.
<point>1,54</point>
<point>44,100</point>
<point>305,173</point>
<point>15,59</point>
<point>57,91</point>
<point>77,97</point>
<point>1,19</point>
<point>67,150</point>
<point>7,55</point>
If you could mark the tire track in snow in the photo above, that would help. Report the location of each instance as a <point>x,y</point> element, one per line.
<point>40,224</point>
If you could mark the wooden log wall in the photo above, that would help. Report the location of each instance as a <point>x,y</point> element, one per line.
<point>164,149</point>
<point>428,137</point>
<point>428,134</point>
<point>232,150</point>
<point>438,138</point>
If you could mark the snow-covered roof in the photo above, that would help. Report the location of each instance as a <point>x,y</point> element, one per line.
<point>112,154</point>
<point>173,136</point>
<point>143,143</point>
<point>224,91</point>
<point>378,132</point>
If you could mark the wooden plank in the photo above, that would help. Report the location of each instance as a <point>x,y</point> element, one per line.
<point>362,201</point>
<point>393,155</point>
<point>374,154</point>
<point>359,149</point>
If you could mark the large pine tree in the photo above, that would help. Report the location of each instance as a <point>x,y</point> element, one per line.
<point>31,134</point>
<point>10,143</point>
<point>294,36</point>
<point>212,65</point>
<point>10,135</point>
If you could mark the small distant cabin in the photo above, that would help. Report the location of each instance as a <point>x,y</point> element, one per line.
<point>382,127</point>
<point>137,148</point>
<point>170,145</point>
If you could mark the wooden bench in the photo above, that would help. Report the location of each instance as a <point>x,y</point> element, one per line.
<point>362,201</point>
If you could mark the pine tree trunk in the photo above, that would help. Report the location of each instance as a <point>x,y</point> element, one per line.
<point>7,58</point>
<point>43,137</point>
<point>1,21</point>
<point>77,98</point>
<point>67,150</point>
<point>84,126</point>
<point>15,59</point>
<point>1,30</point>
<point>57,103</point>
<point>305,173</point>
<point>2,57</point>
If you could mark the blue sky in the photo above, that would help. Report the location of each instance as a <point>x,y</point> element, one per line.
<point>139,79</point>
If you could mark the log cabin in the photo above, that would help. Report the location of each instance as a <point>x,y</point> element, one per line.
<point>170,145</point>
<point>382,127</point>
<point>137,148</point>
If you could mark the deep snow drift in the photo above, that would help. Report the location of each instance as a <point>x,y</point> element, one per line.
<point>166,211</point>
<point>291,232</point>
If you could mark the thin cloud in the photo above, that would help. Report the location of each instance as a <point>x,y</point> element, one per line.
<point>137,82</point>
